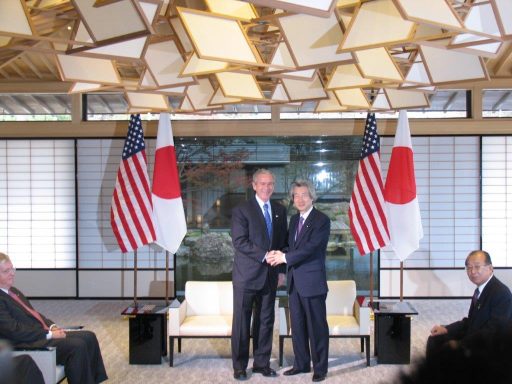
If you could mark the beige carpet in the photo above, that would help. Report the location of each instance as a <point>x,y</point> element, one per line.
<point>208,360</point>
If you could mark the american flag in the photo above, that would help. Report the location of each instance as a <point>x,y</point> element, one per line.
<point>131,212</point>
<point>367,215</point>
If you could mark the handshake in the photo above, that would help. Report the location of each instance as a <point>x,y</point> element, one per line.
<point>275,258</point>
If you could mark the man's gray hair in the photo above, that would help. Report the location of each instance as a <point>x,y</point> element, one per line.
<point>4,258</point>
<point>303,183</point>
<point>262,171</point>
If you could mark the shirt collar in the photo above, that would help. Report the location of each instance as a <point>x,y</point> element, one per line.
<point>261,203</point>
<point>5,290</point>
<point>305,215</point>
<point>482,286</point>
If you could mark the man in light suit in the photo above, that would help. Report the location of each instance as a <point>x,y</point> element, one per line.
<point>490,309</point>
<point>258,226</point>
<point>307,282</point>
<point>23,326</point>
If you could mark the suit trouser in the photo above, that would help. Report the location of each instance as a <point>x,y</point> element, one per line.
<point>258,304</point>
<point>80,354</point>
<point>25,371</point>
<point>308,318</point>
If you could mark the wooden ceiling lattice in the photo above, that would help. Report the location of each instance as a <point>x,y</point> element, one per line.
<point>210,54</point>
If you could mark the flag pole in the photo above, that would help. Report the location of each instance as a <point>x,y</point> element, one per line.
<point>166,278</point>
<point>401,281</point>
<point>371,279</point>
<point>135,278</point>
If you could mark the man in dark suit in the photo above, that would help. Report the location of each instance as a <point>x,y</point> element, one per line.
<point>258,226</point>
<point>307,282</point>
<point>23,326</point>
<point>490,309</point>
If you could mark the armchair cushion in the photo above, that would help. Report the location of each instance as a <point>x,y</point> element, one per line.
<point>46,360</point>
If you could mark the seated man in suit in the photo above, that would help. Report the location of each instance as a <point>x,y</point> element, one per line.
<point>491,307</point>
<point>23,326</point>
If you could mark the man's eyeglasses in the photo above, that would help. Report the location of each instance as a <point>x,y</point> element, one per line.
<point>8,271</point>
<point>475,268</point>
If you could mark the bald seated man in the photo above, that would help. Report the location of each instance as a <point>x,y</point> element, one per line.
<point>490,309</point>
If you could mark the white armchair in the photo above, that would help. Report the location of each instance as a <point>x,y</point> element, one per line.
<point>46,360</point>
<point>206,312</point>
<point>345,317</point>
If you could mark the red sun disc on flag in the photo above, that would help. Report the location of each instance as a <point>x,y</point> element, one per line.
<point>400,182</point>
<point>166,183</point>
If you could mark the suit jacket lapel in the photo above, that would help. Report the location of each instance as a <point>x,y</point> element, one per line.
<point>259,214</point>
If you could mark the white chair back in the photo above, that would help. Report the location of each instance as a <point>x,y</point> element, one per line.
<point>209,297</point>
<point>340,298</point>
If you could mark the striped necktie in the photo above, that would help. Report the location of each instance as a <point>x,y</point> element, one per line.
<point>299,227</point>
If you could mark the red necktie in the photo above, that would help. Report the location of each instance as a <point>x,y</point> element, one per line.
<point>33,312</point>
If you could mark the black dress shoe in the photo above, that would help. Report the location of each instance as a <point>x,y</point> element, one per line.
<point>265,371</point>
<point>240,374</point>
<point>318,377</point>
<point>293,371</point>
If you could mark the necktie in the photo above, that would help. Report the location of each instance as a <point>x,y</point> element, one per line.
<point>268,221</point>
<point>33,312</point>
<point>299,227</point>
<point>474,299</point>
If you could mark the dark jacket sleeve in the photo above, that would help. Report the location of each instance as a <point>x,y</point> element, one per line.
<point>17,326</point>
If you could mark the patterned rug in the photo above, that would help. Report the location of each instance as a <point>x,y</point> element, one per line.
<point>208,360</point>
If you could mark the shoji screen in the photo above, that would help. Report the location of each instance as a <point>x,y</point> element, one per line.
<point>448,186</point>
<point>497,199</point>
<point>37,203</point>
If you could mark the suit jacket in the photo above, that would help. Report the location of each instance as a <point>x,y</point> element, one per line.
<point>492,311</point>
<point>251,243</point>
<point>305,256</point>
<point>19,326</point>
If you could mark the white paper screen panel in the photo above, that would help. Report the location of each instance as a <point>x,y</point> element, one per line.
<point>313,40</point>
<point>218,38</point>
<point>129,49</point>
<point>377,63</point>
<point>504,8</point>
<point>200,94</point>
<point>111,20</point>
<point>233,8</point>
<point>436,12</point>
<point>304,89</point>
<point>196,66</point>
<point>242,85</point>
<point>88,69</point>
<point>497,199</point>
<point>447,173</point>
<point>347,76</point>
<point>37,203</point>
<point>13,18</point>
<point>376,23</point>
<point>145,101</point>
<point>448,65</point>
<point>399,99</point>
<point>165,63</point>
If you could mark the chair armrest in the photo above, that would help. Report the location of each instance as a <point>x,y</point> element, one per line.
<point>362,315</point>
<point>45,359</point>
<point>284,317</point>
<point>177,313</point>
